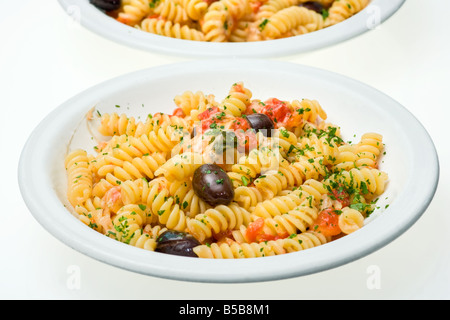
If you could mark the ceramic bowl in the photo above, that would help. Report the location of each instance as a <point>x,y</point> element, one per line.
<point>97,21</point>
<point>411,162</point>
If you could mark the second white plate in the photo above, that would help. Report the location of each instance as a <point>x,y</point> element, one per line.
<point>93,19</point>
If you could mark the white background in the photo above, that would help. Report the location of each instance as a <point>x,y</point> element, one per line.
<point>45,59</point>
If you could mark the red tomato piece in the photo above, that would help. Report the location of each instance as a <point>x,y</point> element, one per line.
<point>327,223</point>
<point>240,124</point>
<point>178,112</point>
<point>254,107</point>
<point>255,232</point>
<point>342,196</point>
<point>277,110</point>
<point>268,237</point>
<point>206,117</point>
<point>254,229</point>
<point>208,113</point>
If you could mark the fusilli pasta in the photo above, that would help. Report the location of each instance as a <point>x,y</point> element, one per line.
<point>298,186</point>
<point>234,20</point>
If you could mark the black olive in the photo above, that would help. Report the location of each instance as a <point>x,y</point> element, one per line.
<point>313,5</point>
<point>212,184</point>
<point>177,243</point>
<point>261,122</point>
<point>107,5</point>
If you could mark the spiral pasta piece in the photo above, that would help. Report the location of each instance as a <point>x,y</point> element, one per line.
<point>283,140</point>
<point>138,167</point>
<point>281,204</point>
<point>314,188</point>
<point>220,18</point>
<point>132,11</point>
<point>215,25</point>
<point>258,161</point>
<point>170,29</point>
<point>303,169</point>
<point>370,182</point>
<point>156,199</point>
<point>291,18</point>
<point>180,166</point>
<point>241,31</point>
<point>369,149</point>
<point>237,100</point>
<point>326,147</point>
<point>195,8</point>
<point>172,10</point>
<point>298,219</point>
<point>296,243</point>
<point>129,219</point>
<point>310,110</point>
<point>344,9</point>
<point>350,220</point>
<point>79,177</point>
<point>271,7</point>
<point>247,197</point>
<point>186,197</point>
<point>90,213</point>
<point>142,240</point>
<point>216,220</point>
<point>114,124</point>
<point>118,125</point>
<point>189,101</point>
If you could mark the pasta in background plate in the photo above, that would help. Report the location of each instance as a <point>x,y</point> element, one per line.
<point>231,20</point>
<point>226,178</point>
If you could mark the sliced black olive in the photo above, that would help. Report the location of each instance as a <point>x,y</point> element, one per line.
<point>261,122</point>
<point>313,5</point>
<point>107,5</point>
<point>177,243</point>
<point>212,184</point>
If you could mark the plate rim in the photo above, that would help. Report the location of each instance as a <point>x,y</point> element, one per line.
<point>136,259</point>
<point>99,23</point>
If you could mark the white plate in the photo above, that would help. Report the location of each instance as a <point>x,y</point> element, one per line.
<point>95,20</point>
<point>411,162</point>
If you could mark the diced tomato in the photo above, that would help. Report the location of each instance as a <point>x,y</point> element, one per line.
<point>254,107</point>
<point>112,200</point>
<point>254,229</point>
<point>237,87</point>
<point>209,2</point>
<point>327,223</point>
<point>155,16</point>
<point>268,237</point>
<point>342,196</point>
<point>123,20</point>
<point>240,124</point>
<point>208,113</point>
<point>293,120</point>
<point>280,112</point>
<point>178,112</point>
<point>255,5</point>
<point>255,232</point>
<point>206,117</point>
<point>277,110</point>
<point>101,145</point>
